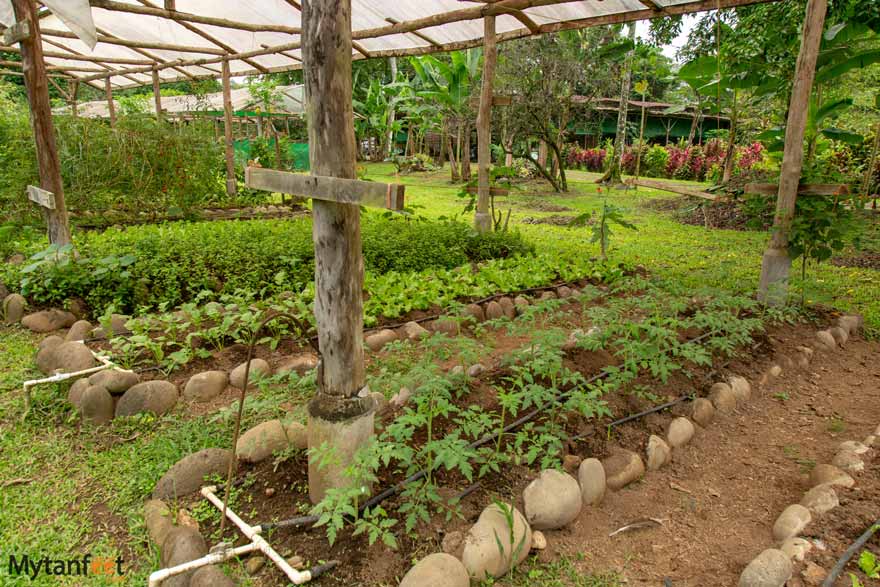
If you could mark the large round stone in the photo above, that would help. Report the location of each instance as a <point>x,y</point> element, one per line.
<point>158,520</point>
<point>475,311</point>
<point>414,331</point>
<point>187,475</point>
<point>741,388</point>
<point>507,306</point>
<point>723,398</point>
<point>521,303</point>
<point>181,545</point>
<point>80,330</point>
<point>437,570</point>
<point>702,412</point>
<point>13,308</point>
<point>46,353</point>
<point>771,568</point>
<point>115,381</point>
<point>500,540</point>
<point>552,501</point>
<point>822,474</point>
<point>157,396</point>
<point>796,548</point>
<point>658,453</point>
<point>210,576</point>
<point>259,368</point>
<point>376,341</point>
<point>258,443</point>
<point>299,364</point>
<point>848,461</point>
<point>70,357</point>
<point>48,320</point>
<point>681,431</point>
<point>494,311</point>
<point>96,405</point>
<point>839,334</point>
<point>75,393</point>
<point>851,323</point>
<point>791,522</point>
<point>820,499</point>
<point>591,478</point>
<point>826,340</point>
<point>203,387</point>
<point>622,468</point>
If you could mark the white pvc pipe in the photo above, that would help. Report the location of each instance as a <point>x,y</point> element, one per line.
<point>253,533</point>
<point>27,385</point>
<point>213,558</point>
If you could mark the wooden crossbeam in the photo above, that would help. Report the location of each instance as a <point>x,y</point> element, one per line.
<point>674,188</point>
<point>16,33</point>
<point>329,189</point>
<point>804,189</point>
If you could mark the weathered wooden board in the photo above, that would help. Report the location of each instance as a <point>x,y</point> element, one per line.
<point>804,189</point>
<point>44,198</point>
<point>495,191</point>
<point>330,189</point>
<point>675,189</point>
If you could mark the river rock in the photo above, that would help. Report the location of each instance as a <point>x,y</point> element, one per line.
<point>622,468</point>
<point>158,520</point>
<point>521,303</point>
<point>539,541</point>
<point>48,320</point>
<point>570,463</point>
<point>258,443</point>
<point>741,388</point>
<point>702,412</point>
<point>205,386</point>
<point>488,548</point>
<point>563,291</point>
<point>552,501</point>
<point>157,397</point>
<point>826,340</point>
<point>377,340</point>
<point>854,447</point>
<point>475,311</point>
<point>658,453</point>
<point>80,330</point>
<point>848,461</point>
<point>259,368</point>
<point>299,364</point>
<point>400,398</point>
<point>591,478</point>
<point>547,295</point>
<point>75,393</point>
<point>791,522</point>
<point>820,499</point>
<point>414,331</point>
<point>453,543</point>
<point>16,259</point>
<point>475,370</point>
<point>494,311</point>
<point>822,474</point>
<point>446,326</point>
<point>70,357</point>
<point>13,308</point>
<point>182,544</point>
<point>722,397</point>
<point>115,381</point>
<point>297,435</point>
<point>187,475</point>
<point>681,431</point>
<point>96,405</point>
<point>117,324</point>
<point>437,570</point>
<point>796,548</point>
<point>841,337</point>
<point>210,576</point>
<point>507,306</point>
<point>771,568</point>
<point>851,323</point>
<point>45,358</point>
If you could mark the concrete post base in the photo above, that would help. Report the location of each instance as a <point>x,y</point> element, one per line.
<point>775,270</point>
<point>346,424</point>
<point>483,222</point>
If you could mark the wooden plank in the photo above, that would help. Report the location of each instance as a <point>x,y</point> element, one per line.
<point>674,188</point>
<point>495,191</point>
<point>804,189</point>
<point>17,33</point>
<point>44,198</point>
<point>327,189</point>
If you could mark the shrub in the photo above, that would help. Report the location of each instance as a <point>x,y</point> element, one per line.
<point>655,161</point>
<point>588,159</point>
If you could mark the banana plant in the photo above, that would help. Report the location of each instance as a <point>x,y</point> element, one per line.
<point>373,120</point>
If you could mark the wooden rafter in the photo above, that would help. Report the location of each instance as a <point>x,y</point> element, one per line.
<point>114,40</point>
<point>78,54</point>
<point>415,33</point>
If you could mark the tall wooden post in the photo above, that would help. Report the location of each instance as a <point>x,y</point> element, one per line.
<point>776,264</point>
<point>156,95</point>
<point>482,218</point>
<point>231,186</point>
<point>338,417</point>
<point>389,147</point>
<point>111,107</point>
<point>73,96</point>
<point>37,86</point>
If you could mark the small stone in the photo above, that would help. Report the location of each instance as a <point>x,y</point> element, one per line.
<point>822,474</point>
<point>791,522</point>
<point>13,308</point>
<point>521,303</point>
<point>539,541</point>
<point>870,441</point>
<point>16,259</point>
<point>657,452</point>
<point>115,381</point>
<point>182,545</point>
<point>269,492</point>
<point>457,371</point>
<point>259,369</point>
<point>70,357</point>
<point>453,543</point>
<point>475,311</point>
<point>775,371</point>
<point>210,576</point>
<point>591,478</point>
<point>261,441</point>
<point>492,547</point>
<point>563,291</point>
<point>723,398</point>
<point>508,307</point>
<point>771,568</point>
<point>205,386</point>
<point>96,405</point>
<point>157,397</point>
<point>157,518</point>
<point>446,326</point>
<point>400,398</point>
<point>826,340</point>
<point>377,340</point>
<point>547,295</point>
<point>552,501</point>
<point>813,574</point>
<point>570,463</point>
<point>851,323</point>
<point>414,331</point>
<point>796,548</point>
<point>681,431</point>
<point>48,320</point>
<point>622,468</point>
<point>840,335</point>
<point>80,330</point>
<point>741,388</point>
<point>475,370</point>
<point>75,393</point>
<point>848,461</point>
<point>437,570</point>
<point>854,447</point>
<point>299,364</point>
<point>702,412</point>
<point>296,562</point>
<point>820,499</point>
<point>187,475</point>
<point>254,565</point>
<point>494,311</point>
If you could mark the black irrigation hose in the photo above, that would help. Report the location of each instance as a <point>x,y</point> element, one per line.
<point>848,554</point>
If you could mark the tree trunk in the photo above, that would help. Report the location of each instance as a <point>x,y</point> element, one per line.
<point>622,112</point>
<point>392,62</point>
<point>542,153</point>
<point>730,155</point>
<point>453,161</point>
<point>482,219</point>
<point>466,153</point>
<point>231,185</point>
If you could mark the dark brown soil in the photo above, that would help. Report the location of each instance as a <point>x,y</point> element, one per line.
<point>554,219</point>
<point>545,206</point>
<point>725,214</point>
<point>864,259</point>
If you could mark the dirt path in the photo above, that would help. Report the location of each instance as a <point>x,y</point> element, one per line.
<point>719,499</point>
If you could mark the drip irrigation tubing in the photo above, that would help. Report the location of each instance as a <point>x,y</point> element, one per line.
<point>848,554</point>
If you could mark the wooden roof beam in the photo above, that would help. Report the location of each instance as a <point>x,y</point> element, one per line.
<point>80,57</point>
<point>77,53</point>
<point>416,33</point>
<point>290,56</point>
<point>113,40</point>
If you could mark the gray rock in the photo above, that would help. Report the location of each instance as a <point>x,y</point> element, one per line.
<point>822,474</point>
<point>118,324</point>
<point>547,295</point>
<point>205,386</point>
<point>115,381</point>
<point>820,499</point>
<point>259,368</point>
<point>158,520</point>
<point>297,435</point>
<point>771,568</point>
<point>475,311</point>
<point>48,320</point>
<point>210,576</point>
<point>552,501</point>
<point>826,340</point>
<point>254,565</point>
<point>622,468</point>
<point>69,357</point>
<point>658,453</point>
<point>741,388</point>
<point>563,291</point>
<point>854,447</point>
<point>299,364</point>
<point>437,570</point>
<point>488,548</point>
<point>848,461</point>
<point>75,393</point>
<point>840,335</point>
<point>521,303</point>
<point>377,340</point>
<point>46,353</point>
<point>851,323</point>
<point>77,307</point>
<point>791,522</point>
<point>775,371</point>
<point>723,398</point>
<point>796,548</point>
<point>80,330</point>
<point>453,543</point>
<point>494,311</point>
<point>96,405</point>
<point>414,331</point>
<point>157,396</point>
<point>591,478</point>
<point>702,412</point>
<point>681,431</point>
<point>13,308</point>
<point>400,398</point>
<point>181,545</point>
<point>508,307</point>
<point>258,443</point>
<point>446,326</point>
<point>475,370</point>
<point>186,475</point>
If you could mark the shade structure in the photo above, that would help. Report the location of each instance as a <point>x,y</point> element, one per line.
<point>189,39</point>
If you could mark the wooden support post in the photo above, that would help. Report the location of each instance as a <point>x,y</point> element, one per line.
<point>108,90</point>
<point>776,264</point>
<point>338,416</point>
<point>72,96</point>
<point>231,187</point>
<point>482,218</point>
<point>157,96</point>
<point>37,86</point>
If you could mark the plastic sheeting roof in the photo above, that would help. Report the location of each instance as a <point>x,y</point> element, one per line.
<point>263,35</point>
